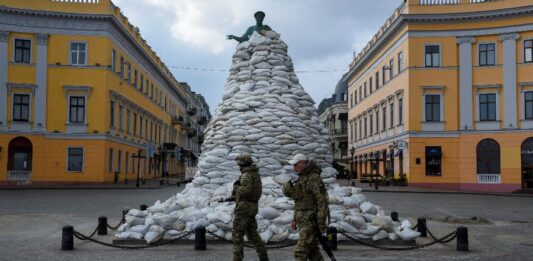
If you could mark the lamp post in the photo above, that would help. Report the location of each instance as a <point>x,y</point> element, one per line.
<point>352,152</point>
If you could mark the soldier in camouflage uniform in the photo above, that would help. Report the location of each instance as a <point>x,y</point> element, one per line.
<point>247,192</point>
<point>310,205</point>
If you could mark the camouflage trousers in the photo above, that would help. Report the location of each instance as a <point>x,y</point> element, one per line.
<point>244,223</point>
<point>307,246</point>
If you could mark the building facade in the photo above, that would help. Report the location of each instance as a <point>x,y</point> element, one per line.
<point>333,113</point>
<point>82,95</point>
<point>443,93</point>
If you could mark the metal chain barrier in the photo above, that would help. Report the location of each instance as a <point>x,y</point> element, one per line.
<point>446,239</point>
<point>118,225</point>
<point>251,246</point>
<point>83,237</point>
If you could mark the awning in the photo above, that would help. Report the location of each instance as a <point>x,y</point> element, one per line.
<point>433,152</point>
<point>398,152</point>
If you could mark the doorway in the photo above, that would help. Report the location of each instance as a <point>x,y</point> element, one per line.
<point>20,159</point>
<point>527,164</point>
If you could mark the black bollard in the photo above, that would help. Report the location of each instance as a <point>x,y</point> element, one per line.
<point>462,239</point>
<point>125,180</point>
<point>102,226</point>
<point>394,216</point>
<point>331,233</point>
<point>199,239</point>
<point>124,213</point>
<point>421,227</point>
<point>143,207</point>
<point>67,240</point>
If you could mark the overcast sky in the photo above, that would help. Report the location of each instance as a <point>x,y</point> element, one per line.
<point>321,35</point>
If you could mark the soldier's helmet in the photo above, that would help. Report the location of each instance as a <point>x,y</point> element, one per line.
<point>244,160</point>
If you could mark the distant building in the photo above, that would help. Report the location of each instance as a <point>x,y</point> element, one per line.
<point>82,93</point>
<point>333,113</point>
<point>443,93</point>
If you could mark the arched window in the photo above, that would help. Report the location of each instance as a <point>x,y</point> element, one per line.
<point>488,157</point>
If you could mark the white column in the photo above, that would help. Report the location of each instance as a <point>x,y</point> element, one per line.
<point>4,37</point>
<point>510,120</point>
<point>39,120</point>
<point>465,82</point>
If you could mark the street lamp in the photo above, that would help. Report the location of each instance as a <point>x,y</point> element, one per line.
<point>352,152</point>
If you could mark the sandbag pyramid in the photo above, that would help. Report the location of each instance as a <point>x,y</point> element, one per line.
<point>266,113</point>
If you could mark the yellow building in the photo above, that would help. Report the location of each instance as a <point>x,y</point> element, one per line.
<point>443,93</point>
<point>81,93</point>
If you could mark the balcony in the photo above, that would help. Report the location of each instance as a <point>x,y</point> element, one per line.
<point>453,2</point>
<point>191,110</point>
<point>338,132</point>
<point>21,177</point>
<point>177,120</point>
<point>488,179</point>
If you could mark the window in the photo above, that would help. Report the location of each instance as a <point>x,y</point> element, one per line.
<point>21,107</point>
<point>371,124</point>
<point>120,118</point>
<point>433,108</point>
<point>488,157</point>
<point>377,80</point>
<point>142,83</point>
<point>354,137</point>
<point>128,121</point>
<point>122,67</point>
<point>134,124</point>
<point>487,54</point>
<point>351,100</point>
<point>147,86</point>
<point>391,69</point>
<point>78,53</point>
<point>370,83</point>
<point>151,131</point>
<point>113,60</point>
<point>384,112</point>
<point>377,121</point>
<point>400,62</point>
<point>391,115</point>
<point>110,165</point>
<point>152,91</point>
<point>528,101</point>
<point>360,93</point>
<point>141,127</point>
<point>112,116</point>
<point>75,159</point>
<point>126,162</point>
<point>129,72</point>
<point>383,69</point>
<point>433,161</point>
<point>360,129</point>
<point>135,75</point>
<point>400,111</point>
<point>366,128</point>
<point>432,56</point>
<point>528,51</point>
<point>355,98</point>
<point>487,107</point>
<point>22,51</point>
<point>77,109</point>
<point>119,163</point>
<point>366,93</point>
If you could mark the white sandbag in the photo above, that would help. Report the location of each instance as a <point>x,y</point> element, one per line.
<point>380,235</point>
<point>369,208</point>
<point>369,230</point>
<point>129,235</point>
<point>350,202</point>
<point>293,236</point>
<point>408,234</point>
<point>166,221</point>
<point>337,215</point>
<point>393,236</point>
<point>335,200</point>
<point>347,227</point>
<point>137,213</point>
<point>219,216</point>
<point>284,219</point>
<point>266,235</point>
<point>269,213</point>
<point>133,221</point>
<point>406,224</point>
<point>356,220</point>
<point>140,229</point>
<point>178,225</point>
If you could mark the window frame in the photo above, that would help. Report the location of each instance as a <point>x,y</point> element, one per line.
<point>433,104</point>
<point>111,160</point>
<point>391,113</point>
<point>400,111</point>
<point>70,53</point>
<point>112,112</point>
<point>114,60</point>
<point>486,157</point>
<point>70,97</point>
<point>400,62</point>
<point>486,54</point>
<point>525,49</point>
<point>487,104</point>
<point>525,105</point>
<point>15,50</point>
<point>28,107</point>
<point>432,62</point>
<point>391,69</point>
<point>69,170</point>
<point>439,173</point>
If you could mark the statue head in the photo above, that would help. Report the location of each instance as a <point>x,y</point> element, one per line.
<point>259,16</point>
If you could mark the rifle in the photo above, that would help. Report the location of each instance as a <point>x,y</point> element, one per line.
<point>324,242</point>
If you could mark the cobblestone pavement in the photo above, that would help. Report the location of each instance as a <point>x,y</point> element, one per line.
<point>31,222</point>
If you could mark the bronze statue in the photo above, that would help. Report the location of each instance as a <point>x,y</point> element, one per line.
<point>258,27</point>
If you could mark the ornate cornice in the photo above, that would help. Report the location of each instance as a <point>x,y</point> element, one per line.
<point>512,36</point>
<point>467,39</point>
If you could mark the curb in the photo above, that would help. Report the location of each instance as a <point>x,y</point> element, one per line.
<point>452,193</point>
<point>82,187</point>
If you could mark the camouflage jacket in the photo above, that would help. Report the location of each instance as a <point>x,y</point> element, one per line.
<point>250,188</point>
<point>309,193</point>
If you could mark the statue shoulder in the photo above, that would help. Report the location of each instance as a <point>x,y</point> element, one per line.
<point>267,27</point>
